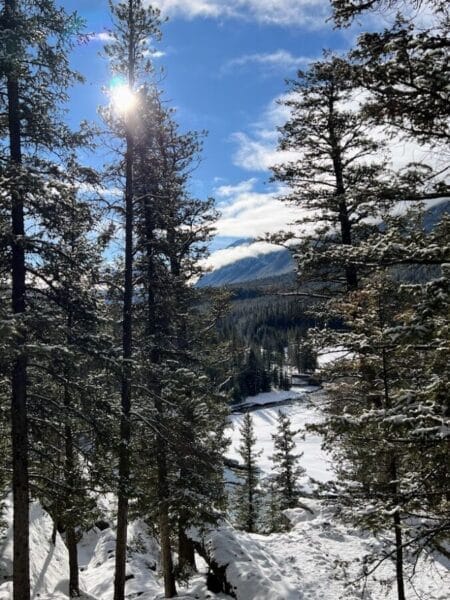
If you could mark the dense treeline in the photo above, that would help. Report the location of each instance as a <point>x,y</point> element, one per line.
<point>266,335</point>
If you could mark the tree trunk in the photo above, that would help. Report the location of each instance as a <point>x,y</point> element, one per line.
<point>351,274</point>
<point>161,444</point>
<point>19,410</point>
<point>170,589</point>
<point>127,349</point>
<point>127,340</point>
<point>71,538</point>
<point>163,508</point>
<point>399,557</point>
<point>186,551</point>
<point>71,541</point>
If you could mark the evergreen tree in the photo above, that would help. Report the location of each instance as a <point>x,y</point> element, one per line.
<point>71,346</point>
<point>128,50</point>
<point>248,497</point>
<point>285,463</point>
<point>405,69</point>
<point>384,418</point>
<point>336,178</point>
<point>35,40</point>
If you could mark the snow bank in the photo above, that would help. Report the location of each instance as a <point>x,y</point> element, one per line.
<point>250,569</point>
<point>49,564</point>
<point>97,560</point>
<point>324,559</point>
<point>295,393</point>
<point>328,356</point>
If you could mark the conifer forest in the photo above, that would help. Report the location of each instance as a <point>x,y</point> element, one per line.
<point>224,377</point>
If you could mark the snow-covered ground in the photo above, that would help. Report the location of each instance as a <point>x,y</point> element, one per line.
<point>322,560</point>
<point>318,559</point>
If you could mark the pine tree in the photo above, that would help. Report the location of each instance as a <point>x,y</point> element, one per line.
<point>134,26</point>
<point>34,74</point>
<point>71,346</point>
<point>405,68</point>
<point>336,178</point>
<point>189,412</point>
<point>248,497</point>
<point>285,463</point>
<point>383,419</point>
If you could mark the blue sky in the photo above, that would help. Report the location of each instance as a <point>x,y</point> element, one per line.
<point>225,65</point>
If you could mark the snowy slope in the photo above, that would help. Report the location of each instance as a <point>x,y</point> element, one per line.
<point>323,557</point>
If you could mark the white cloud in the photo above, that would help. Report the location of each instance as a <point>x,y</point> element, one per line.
<point>271,61</point>
<point>311,13</point>
<point>258,151</point>
<point>227,256</point>
<point>192,8</point>
<point>101,36</point>
<point>248,213</point>
<point>154,53</point>
<point>228,191</point>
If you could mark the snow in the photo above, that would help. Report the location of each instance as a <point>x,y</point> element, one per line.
<point>252,570</point>
<point>304,410</point>
<point>323,557</point>
<point>319,558</point>
<point>275,396</point>
<point>49,564</point>
<point>97,562</point>
<point>330,355</point>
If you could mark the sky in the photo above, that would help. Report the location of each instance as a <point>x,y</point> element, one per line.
<point>225,67</point>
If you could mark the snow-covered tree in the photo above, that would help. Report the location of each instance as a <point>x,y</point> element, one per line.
<point>176,369</point>
<point>248,496</point>
<point>404,67</point>
<point>335,171</point>
<point>34,77</point>
<point>385,418</point>
<point>65,383</point>
<point>286,469</point>
<point>135,26</point>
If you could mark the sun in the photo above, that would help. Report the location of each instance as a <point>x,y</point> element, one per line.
<point>123,98</point>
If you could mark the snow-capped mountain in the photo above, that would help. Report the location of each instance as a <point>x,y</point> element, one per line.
<point>248,260</point>
<point>261,262</point>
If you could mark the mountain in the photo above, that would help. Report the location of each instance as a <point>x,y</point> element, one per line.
<point>267,265</point>
<point>250,268</point>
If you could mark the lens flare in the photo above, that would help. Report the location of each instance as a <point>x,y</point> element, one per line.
<point>123,98</point>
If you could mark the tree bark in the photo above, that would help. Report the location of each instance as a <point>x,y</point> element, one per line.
<point>161,444</point>
<point>163,506</point>
<point>71,541</point>
<point>127,352</point>
<point>71,538</point>
<point>399,557</point>
<point>19,409</point>
<point>127,341</point>
<point>394,484</point>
